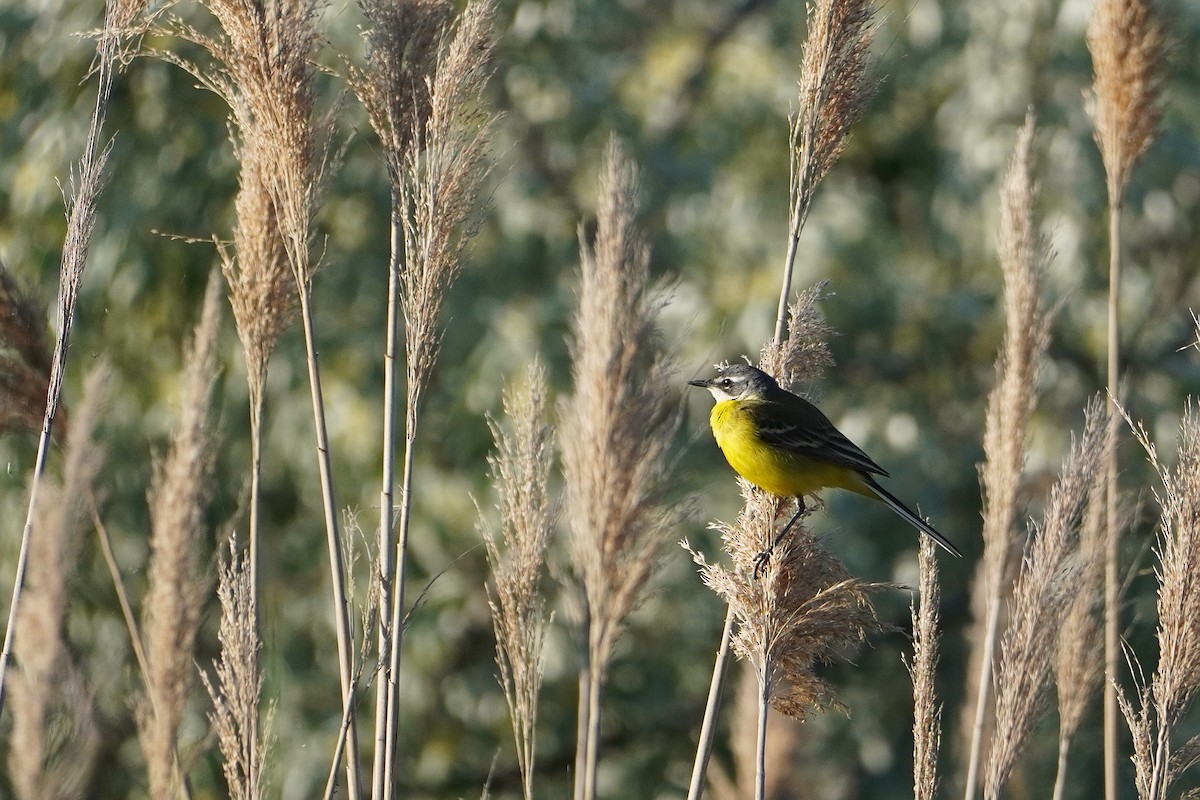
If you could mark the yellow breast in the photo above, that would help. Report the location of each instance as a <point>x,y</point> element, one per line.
<point>774,469</point>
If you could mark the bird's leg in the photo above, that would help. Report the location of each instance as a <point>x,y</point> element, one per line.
<point>760,560</point>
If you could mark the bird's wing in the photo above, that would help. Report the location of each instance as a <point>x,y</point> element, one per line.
<point>794,424</point>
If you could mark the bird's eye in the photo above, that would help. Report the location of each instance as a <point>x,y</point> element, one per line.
<point>726,382</point>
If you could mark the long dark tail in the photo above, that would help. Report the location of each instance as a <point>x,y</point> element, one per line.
<point>907,514</point>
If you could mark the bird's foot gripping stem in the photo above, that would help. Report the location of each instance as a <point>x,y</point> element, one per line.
<point>761,560</point>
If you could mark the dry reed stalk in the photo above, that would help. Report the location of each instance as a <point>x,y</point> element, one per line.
<point>1155,713</point>
<point>1042,595</point>
<point>402,45</point>
<point>1079,653</point>
<point>49,691</point>
<point>520,473</point>
<point>783,744</point>
<point>1125,39</point>
<point>437,159</point>
<point>236,687</point>
<point>834,94</point>
<point>927,710</point>
<point>617,428</point>
<point>264,68</point>
<point>1010,408</point>
<point>802,609</point>
<point>81,220</point>
<point>172,607</point>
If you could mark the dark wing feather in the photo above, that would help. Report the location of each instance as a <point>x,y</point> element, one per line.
<point>788,421</point>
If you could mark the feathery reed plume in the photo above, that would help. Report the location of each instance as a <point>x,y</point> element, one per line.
<point>520,472</point>
<point>236,686</point>
<point>262,294</point>
<point>264,68</point>
<point>1010,407</point>
<point>402,49</point>
<point>1079,653</point>
<point>927,711</point>
<point>1125,39</point>
<point>175,586</point>
<point>24,359</point>
<point>1042,595</point>
<point>802,609</point>
<point>1154,714</point>
<point>617,427</point>
<point>81,220</point>
<point>436,135</point>
<point>49,693</point>
<point>834,94</point>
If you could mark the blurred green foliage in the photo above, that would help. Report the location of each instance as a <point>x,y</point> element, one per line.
<point>700,93</point>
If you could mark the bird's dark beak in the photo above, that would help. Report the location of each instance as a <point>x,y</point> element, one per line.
<point>700,383</point>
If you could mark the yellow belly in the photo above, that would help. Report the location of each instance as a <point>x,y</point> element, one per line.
<point>776,470</point>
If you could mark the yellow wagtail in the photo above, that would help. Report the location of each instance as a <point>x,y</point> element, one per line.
<point>783,444</point>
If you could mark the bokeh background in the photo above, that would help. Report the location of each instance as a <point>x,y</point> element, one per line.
<point>699,91</point>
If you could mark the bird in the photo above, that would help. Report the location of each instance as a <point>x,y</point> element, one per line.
<point>783,444</point>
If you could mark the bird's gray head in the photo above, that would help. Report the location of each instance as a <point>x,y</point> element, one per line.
<point>737,382</point>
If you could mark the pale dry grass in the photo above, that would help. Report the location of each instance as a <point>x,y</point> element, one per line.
<point>927,709</point>
<point>1079,652</point>
<point>1042,596</point>
<point>1155,712</point>
<point>520,473</point>
<point>236,686</point>
<point>1006,428</point>
<point>616,429</point>
<point>172,607</point>
<point>1126,40</point>
<point>55,739</point>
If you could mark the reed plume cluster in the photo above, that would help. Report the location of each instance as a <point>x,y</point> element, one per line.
<point>1126,41</point>
<point>1155,712</point>
<point>176,585</point>
<point>1041,597</point>
<point>520,472</point>
<point>422,88</point>
<point>1011,404</point>
<point>55,739</point>
<point>616,428</point>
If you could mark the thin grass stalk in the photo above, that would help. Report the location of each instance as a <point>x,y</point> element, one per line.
<point>387,494</point>
<point>1125,40</point>
<point>341,612</point>
<point>760,746</point>
<point>583,727</point>
<point>1112,539</point>
<point>708,728</point>
<point>81,220</point>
